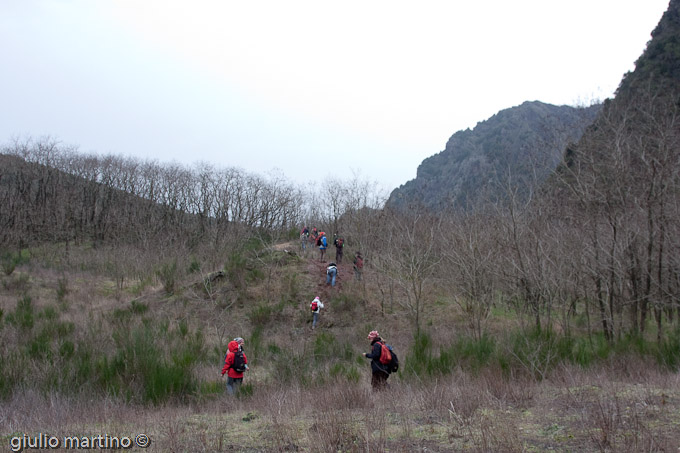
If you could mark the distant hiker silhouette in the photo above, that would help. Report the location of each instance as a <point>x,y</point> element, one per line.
<point>339,243</point>
<point>358,266</point>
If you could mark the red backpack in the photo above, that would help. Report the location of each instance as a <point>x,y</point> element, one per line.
<point>314,305</point>
<point>385,354</point>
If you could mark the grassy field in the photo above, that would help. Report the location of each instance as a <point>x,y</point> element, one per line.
<point>601,410</point>
<point>86,352</point>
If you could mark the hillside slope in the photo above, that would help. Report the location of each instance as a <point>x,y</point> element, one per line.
<point>517,146</point>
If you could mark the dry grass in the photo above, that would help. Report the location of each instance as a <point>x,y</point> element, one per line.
<point>578,411</point>
<point>622,405</point>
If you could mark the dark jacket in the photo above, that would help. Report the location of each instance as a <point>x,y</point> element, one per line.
<point>374,355</point>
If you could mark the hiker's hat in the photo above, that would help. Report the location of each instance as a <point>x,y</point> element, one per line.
<point>373,334</point>
<point>239,340</point>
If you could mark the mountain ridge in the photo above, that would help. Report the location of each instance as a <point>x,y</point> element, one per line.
<point>520,145</point>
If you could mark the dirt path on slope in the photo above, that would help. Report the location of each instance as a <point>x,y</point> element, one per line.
<point>317,268</point>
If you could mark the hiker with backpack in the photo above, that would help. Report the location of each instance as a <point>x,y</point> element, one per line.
<point>331,274</point>
<point>358,266</point>
<point>235,364</point>
<point>339,243</point>
<point>322,243</point>
<point>383,361</point>
<point>316,305</point>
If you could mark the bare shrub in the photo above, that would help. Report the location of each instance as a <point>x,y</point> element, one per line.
<point>497,434</point>
<point>375,427</point>
<point>518,393</point>
<point>342,395</point>
<point>282,435</point>
<point>17,283</point>
<point>280,401</point>
<point>335,430</point>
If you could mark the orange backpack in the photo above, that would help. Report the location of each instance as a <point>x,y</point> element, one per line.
<point>385,354</point>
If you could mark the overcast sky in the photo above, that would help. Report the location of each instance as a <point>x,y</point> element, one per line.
<point>317,89</point>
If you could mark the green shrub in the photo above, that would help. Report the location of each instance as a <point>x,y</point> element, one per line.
<point>235,268</point>
<point>141,368</point>
<point>292,367</point>
<point>66,349</point>
<point>62,288</point>
<point>246,390</point>
<point>352,374</point>
<point>290,291</point>
<point>122,315</point>
<point>261,315</point>
<point>254,275</point>
<point>49,313</point>
<point>417,360</point>
<point>211,388</point>
<point>11,365</point>
<point>194,266</point>
<point>255,345</point>
<point>349,372</point>
<point>19,282</point>
<point>182,328</point>
<point>23,316</point>
<point>167,273</point>
<point>254,244</point>
<point>668,354</point>
<point>138,308</point>
<point>39,347</point>
<point>324,345</point>
<point>140,285</point>
<point>10,260</point>
<point>346,302</point>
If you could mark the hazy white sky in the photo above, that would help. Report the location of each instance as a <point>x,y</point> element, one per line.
<point>316,89</point>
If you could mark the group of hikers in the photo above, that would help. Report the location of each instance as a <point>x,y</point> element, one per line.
<point>383,358</point>
<point>314,236</point>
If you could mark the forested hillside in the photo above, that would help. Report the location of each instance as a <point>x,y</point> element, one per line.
<point>511,152</point>
<point>619,187</point>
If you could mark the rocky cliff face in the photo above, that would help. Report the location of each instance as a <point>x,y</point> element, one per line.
<point>513,150</point>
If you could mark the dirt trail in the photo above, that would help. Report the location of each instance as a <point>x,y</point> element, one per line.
<point>317,268</point>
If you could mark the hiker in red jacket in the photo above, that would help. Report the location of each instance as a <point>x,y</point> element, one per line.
<point>379,371</point>
<point>235,364</point>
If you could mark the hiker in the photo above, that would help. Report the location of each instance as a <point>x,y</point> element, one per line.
<point>380,372</point>
<point>304,237</point>
<point>316,305</point>
<point>322,242</point>
<point>358,266</point>
<point>339,243</point>
<point>331,274</point>
<point>235,364</point>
